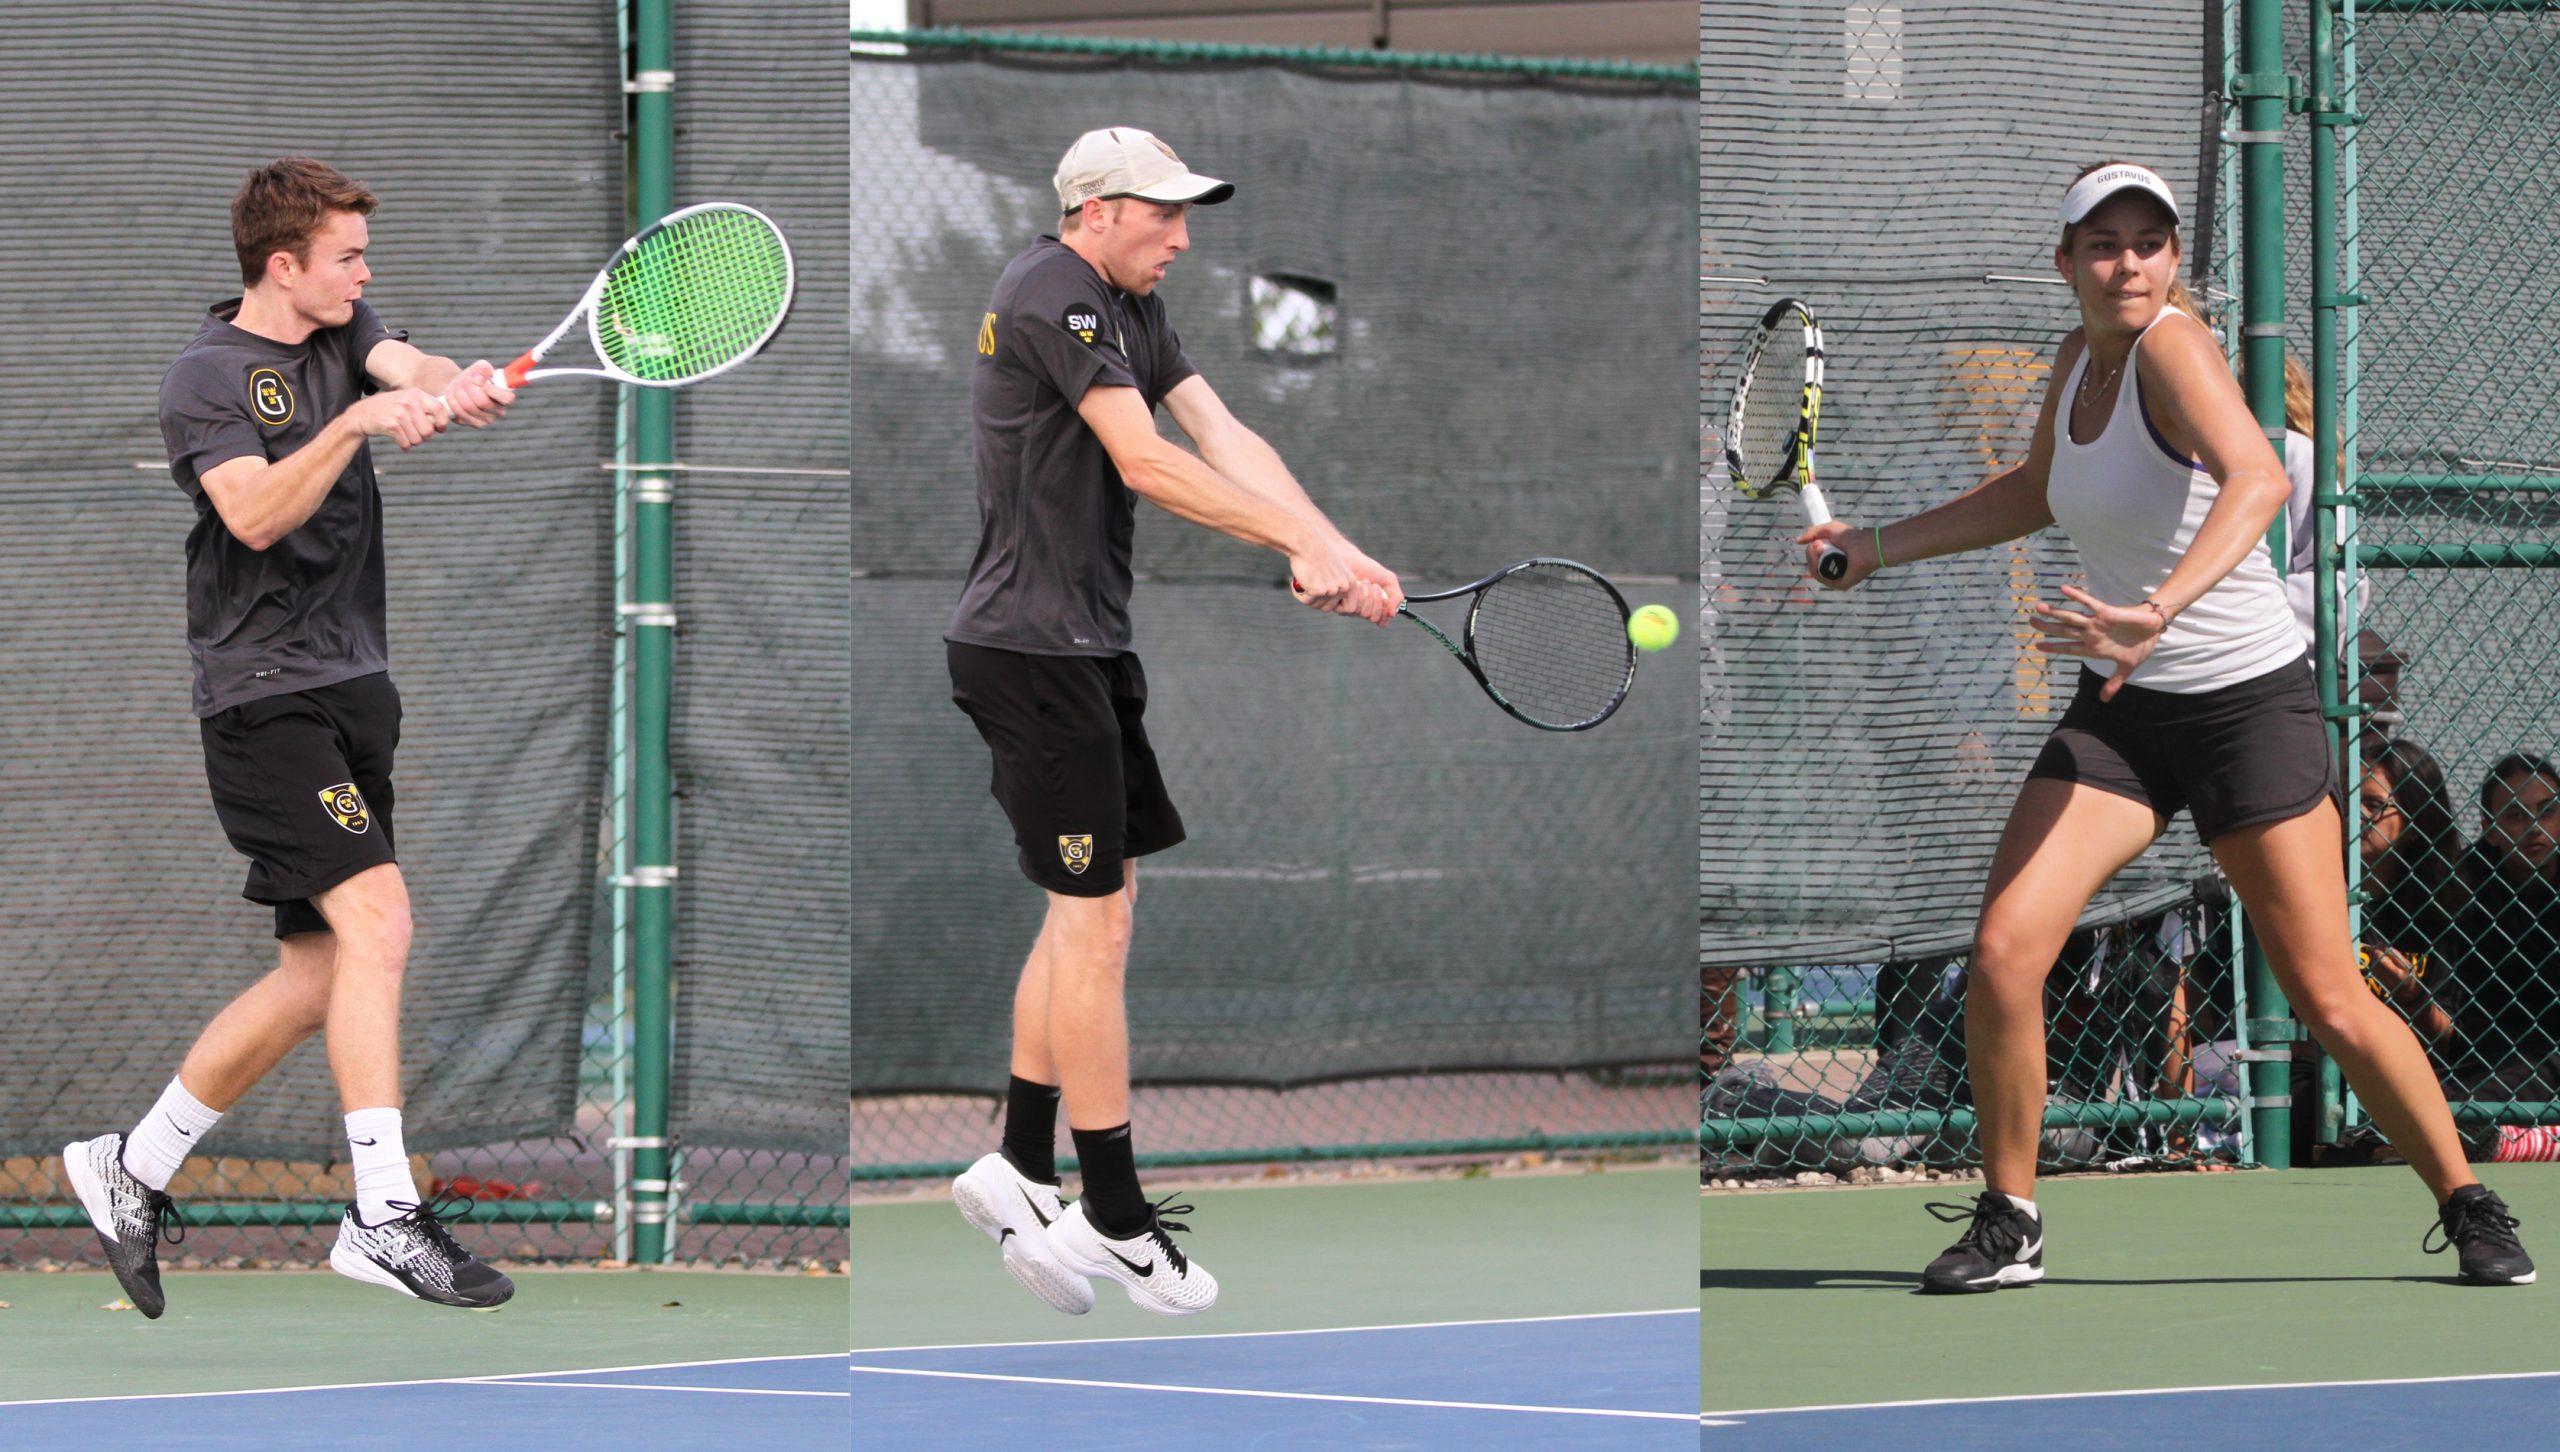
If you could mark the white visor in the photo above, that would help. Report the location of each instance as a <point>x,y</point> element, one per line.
<point>2106,181</point>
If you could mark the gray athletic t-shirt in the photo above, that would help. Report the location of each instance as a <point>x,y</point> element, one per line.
<point>1055,521</point>
<point>307,611</point>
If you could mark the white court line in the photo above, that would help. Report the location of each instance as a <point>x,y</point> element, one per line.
<point>268,1391</point>
<point>2147,1391</point>
<point>1307,1331</point>
<point>1284,1396</point>
<point>732,1391</point>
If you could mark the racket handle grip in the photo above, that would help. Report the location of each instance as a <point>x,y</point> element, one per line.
<point>1833,563</point>
<point>509,378</point>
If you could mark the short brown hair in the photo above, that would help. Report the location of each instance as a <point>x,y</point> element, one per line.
<point>281,206</point>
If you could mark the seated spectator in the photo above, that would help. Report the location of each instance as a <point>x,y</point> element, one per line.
<point>2410,848</point>
<point>2506,937</point>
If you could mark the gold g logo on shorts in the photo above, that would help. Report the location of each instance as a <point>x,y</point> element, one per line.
<point>1076,852</point>
<point>346,807</point>
<point>270,398</point>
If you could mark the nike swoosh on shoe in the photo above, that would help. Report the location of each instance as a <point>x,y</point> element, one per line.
<point>1145,1270</point>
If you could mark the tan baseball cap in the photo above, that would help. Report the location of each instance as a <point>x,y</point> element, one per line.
<point>1123,161</point>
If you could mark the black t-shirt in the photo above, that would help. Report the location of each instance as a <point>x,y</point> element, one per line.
<point>307,611</point>
<point>1056,522</point>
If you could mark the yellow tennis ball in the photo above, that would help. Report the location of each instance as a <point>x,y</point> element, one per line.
<point>1652,627</point>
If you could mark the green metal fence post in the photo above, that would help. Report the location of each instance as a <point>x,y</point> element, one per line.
<point>2326,301</point>
<point>651,621</point>
<point>2262,90</point>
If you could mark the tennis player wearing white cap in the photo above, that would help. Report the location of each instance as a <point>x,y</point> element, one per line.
<point>2194,695</point>
<point>1074,354</point>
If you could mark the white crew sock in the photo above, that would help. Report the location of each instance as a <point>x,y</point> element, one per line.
<point>167,1135</point>
<point>381,1164</point>
<point>2027,1205</point>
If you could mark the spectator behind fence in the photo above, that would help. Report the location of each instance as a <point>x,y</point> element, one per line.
<point>2507,936</point>
<point>2410,848</point>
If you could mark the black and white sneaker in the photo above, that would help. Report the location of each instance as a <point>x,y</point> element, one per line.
<point>130,1216</point>
<point>1017,1212</point>
<point>1158,1276</point>
<point>2475,1222</point>
<point>2003,1246</point>
<point>416,1256</point>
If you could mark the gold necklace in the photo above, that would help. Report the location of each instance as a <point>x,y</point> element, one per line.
<point>2086,374</point>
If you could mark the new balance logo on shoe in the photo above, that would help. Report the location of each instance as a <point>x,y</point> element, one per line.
<point>128,1204</point>
<point>1145,1270</point>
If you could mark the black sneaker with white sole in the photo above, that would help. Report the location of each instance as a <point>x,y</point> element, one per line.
<point>131,1218</point>
<point>2002,1246</point>
<point>2476,1223</point>
<point>415,1255</point>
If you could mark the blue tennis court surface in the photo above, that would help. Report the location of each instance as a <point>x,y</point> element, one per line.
<point>2421,1415</point>
<point>774,1402</point>
<point>1619,1381</point>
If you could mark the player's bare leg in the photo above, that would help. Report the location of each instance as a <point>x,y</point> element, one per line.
<point>268,1020</point>
<point>2292,882</point>
<point>1086,965</point>
<point>2290,877</point>
<point>2062,842</point>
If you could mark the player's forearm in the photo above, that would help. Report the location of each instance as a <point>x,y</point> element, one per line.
<point>1241,456</point>
<point>2004,507</point>
<point>281,497</point>
<point>2239,518</point>
<point>1188,488</point>
<point>432,373</point>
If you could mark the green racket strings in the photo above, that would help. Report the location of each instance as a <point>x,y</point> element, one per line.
<point>694,296</point>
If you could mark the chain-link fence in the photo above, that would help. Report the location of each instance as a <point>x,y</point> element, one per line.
<point>2446,208</point>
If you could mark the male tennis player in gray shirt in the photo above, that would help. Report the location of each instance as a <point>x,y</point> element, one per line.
<point>1074,356</point>
<point>266,415</point>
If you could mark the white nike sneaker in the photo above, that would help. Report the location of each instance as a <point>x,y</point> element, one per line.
<point>1159,1277</point>
<point>1016,1211</point>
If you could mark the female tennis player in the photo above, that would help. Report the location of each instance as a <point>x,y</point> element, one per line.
<point>2194,695</point>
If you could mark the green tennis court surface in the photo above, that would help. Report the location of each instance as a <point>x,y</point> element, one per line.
<point>2155,1281</point>
<point>233,1331</point>
<point>1295,1257</point>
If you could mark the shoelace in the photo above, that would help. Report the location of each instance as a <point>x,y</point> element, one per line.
<point>1158,1225</point>
<point>2482,1217</point>
<point>431,1216</point>
<point>167,1225</point>
<point>1990,1213</point>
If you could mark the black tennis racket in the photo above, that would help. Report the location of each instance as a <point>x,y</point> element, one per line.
<point>1777,409</point>
<point>1546,638</point>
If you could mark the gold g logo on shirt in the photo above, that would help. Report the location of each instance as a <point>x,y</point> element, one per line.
<point>271,398</point>
<point>1076,852</point>
<point>346,806</point>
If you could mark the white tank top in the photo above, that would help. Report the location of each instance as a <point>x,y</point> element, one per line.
<point>2132,506</point>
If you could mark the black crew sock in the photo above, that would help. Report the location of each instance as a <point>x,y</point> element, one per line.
<point>1111,1199</point>
<point>1031,1128</point>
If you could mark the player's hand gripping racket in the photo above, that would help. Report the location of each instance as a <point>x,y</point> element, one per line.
<point>1777,406</point>
<point>1547,639</point>
<point>690,298</point>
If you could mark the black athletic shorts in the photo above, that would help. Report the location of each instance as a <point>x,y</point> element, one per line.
<point>1073,770</point>
<point>302,783</point>
<point>2239,756</point>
